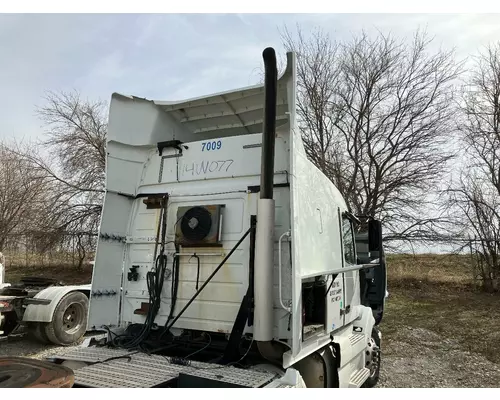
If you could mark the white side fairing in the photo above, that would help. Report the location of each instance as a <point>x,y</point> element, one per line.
<point>316,207</point>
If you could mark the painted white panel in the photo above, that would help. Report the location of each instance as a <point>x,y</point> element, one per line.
<point>315,217</point>
<point>221,158</point>
<point>334,299</point>
<point>223,295</point>
<point>108,267</point>
<point>140,122</point>
<point>316,246</point>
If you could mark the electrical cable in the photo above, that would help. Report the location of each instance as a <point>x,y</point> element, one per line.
<point>139,340</point>
<point>175,275</point>
<point>203,348</point>
<point>174,286</point>
<point>198,270</point>
<point>175,278</point>
<point>155,280</point>
<point>168,326</point>
<point>185,362</point>
<point>127,356</point>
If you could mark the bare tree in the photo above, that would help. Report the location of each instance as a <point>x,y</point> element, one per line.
<point>23,195</point>
<point>71,160</point>
<point>317,80</point>
<point>376,116</point>
<point>76,145</point>
<point>76,136</point>
<point>474,200</point>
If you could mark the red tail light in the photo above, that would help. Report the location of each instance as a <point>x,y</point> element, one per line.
<point>5,306</point>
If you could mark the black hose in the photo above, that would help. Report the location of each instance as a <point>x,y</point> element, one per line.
<point>269,128</point>
<point>197,270</point>
<point>169,326</point>
<point>155,280</point>
<point>175,285</point>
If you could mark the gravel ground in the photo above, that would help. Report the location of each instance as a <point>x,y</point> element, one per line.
<point>26,347</point>
<point>424,359</point>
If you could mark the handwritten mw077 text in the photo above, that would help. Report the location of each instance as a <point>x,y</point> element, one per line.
<point>205,167</point>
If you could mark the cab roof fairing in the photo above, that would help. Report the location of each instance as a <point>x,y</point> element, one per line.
<point>141,122</point>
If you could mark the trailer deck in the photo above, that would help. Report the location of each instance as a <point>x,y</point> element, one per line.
<point>139,370</point>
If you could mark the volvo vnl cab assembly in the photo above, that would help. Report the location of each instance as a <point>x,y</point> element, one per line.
<point>225,257</point>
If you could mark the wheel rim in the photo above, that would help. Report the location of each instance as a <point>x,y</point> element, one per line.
<point>73,318</point>
<point>373,358</point>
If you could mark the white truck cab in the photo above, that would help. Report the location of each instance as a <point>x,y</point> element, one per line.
<point>226,254</point>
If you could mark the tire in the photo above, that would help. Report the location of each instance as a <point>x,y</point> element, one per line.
<point>69,322</point>
<point>375,375</point>
<point>37,332</point>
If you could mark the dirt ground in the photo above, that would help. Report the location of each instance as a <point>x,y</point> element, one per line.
<point>438,331</point>
<point>428,360</point>
<point>26,347</point>
<point>431,343</point>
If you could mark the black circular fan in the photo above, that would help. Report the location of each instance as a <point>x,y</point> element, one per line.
<point>196,224</point>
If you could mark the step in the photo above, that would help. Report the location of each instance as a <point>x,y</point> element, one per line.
<point>359,377</point>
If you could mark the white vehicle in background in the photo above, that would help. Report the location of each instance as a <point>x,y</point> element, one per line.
<point>225,254</point>
<point>51,312</point>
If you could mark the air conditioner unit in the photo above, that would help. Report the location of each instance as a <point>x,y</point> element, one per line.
<point>199,225</point>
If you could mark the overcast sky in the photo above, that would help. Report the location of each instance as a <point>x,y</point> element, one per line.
<point>173,57</point>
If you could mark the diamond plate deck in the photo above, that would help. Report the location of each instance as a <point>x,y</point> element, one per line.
<point>143,370</point>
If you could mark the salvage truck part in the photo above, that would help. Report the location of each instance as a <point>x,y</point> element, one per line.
<point>233,261</point>
<point>19,372</point>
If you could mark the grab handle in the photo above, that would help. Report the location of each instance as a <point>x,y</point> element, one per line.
<point>288,309</point>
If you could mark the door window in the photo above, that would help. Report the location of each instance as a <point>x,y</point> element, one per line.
<point>348,241</point>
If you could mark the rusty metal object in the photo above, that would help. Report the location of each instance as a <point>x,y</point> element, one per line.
<point>143,310</point>
<point>21,372</point>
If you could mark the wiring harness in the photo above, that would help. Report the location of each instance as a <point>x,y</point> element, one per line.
<point>142,341</point>
<point>155,280</point>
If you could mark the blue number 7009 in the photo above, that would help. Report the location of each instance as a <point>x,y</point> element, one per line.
<point>214,145</point>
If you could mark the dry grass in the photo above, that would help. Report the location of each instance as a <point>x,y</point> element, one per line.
<point>29,259</point>
<point>66,274</point>
<point>58,265</point>
<point>436,292</point>
<point>436,268</point>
